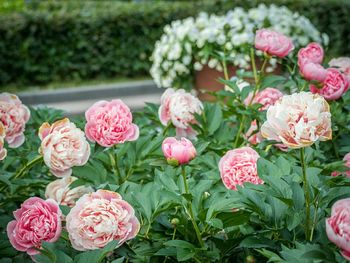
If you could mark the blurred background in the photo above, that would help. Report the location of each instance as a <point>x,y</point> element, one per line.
<point>101,46</point>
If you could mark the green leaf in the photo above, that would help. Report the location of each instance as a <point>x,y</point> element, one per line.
<point>257,242</point>
<point>179,243</point>
<point>96,256</point>
<point>214,118</point>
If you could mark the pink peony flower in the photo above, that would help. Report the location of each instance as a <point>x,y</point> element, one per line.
<point>63,146</point>
<point>338,226</point>
<point>266,97</point>
<point>14,116</point>
<point>179,107</point>
<point>110,123</point>
<point>298,120</point>
<point>334,85</point>
<point>3,151</point>
<point>343,64</point>
<point>346,159</point>
<point>59,191</point>
<point>273,43</point>
<point>252,136</point>
<point>312,71</point>
<point>312,53</point>
<point>37,220</point>
<point>239,166</point>
<point>178,151</point>
<point>99,218</point>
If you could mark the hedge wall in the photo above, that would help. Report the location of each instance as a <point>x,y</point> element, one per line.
<point>88,39</point>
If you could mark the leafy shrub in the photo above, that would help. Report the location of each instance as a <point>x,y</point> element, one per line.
<point>55,41</point>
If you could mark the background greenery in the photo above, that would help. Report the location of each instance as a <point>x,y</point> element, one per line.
<point>46,41</point>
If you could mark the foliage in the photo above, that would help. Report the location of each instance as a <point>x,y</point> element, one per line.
<point>45,41</point>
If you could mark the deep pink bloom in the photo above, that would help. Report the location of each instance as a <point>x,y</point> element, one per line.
<point>338,226</point>
<point>239,166</point>
<point>312,71</point>
<point>334,85</point>
<point>273,43</point>
<point>343,64</point>
<point>312,53</point>
<point>99,218</point>
<point>110,123</point>
<point>181,151</point>
<point>266,97</point>
<point>37,220</point>
<point>14,116</point>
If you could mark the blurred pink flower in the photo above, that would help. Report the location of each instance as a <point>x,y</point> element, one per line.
<point>266,97</point>
<point>99,218</point>
<point>312,71</point>
<point>63,146</point>
<point>178,151</point>
<point>3,151</point>
<point>60,191</point>
<point>179,107</point>
<point>346,159</point>
<point>338,226</point>
<point>110,123</point>
<point>14,116</point>
<point>343,64</point>
<point>312,53</point>
<point>334,85</point>
<point>37,220</point>
<point>298,120</point>
<point>239,166</point>
<point>273,43</point>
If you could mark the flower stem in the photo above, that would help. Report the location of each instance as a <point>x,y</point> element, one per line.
<point>307,194</point>
<point>198,234</point>
<point>224,65</point>
<point>114,161</point>
<point>28,166</point>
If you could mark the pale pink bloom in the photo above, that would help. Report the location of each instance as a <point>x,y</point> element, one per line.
<point>346,159</point>
<point>14,116</point>
<point>338,226</point>
<point>343,64</point>
<point>239,166</point>
<point>273,43</point>
<point>110,123</point>
<point>60,191</point>
<point>181,151</point>
<point>334,85</point>
<point>37,220</point>
<point>63,146</point>
<point>298,120</point>
<point>179,107</point>
<point>312,71</point>
<point>266,97</point>
<point>252,135</point>
<point>312,53</point>
<point>3,151</point>
<point>99,218</point>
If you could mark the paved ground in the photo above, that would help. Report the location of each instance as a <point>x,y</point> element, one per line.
<point>77,100</point>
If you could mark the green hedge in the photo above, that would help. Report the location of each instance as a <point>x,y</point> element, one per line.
<point>90,39</point>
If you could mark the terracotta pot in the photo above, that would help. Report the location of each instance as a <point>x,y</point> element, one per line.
<point>208,80</point>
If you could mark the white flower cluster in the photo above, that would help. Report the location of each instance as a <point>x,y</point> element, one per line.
<point>187,45</point>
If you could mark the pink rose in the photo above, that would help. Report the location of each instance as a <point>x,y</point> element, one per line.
<point>312,71</point>
<point>3,151</point>
<point>239,166</point>
<point>343,64</point>
<point>298,120</point>
<point>273,43</point>
<point>60,191</point>
<point>63,146</point>
<point>338,226</point>
<point>14,116</point>
<point>37,220</point>
<point>178,151</point>
<point>179,107</point>
<point>346,159</point>
<point>334,85</point>
<point>99,218</point>
<point>266,97</point>
<point>110,123</point>
<point>312,53</point>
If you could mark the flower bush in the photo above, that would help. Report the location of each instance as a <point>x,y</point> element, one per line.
<point>148,194</point>
<point>188,45</point>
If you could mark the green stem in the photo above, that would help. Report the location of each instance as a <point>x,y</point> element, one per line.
<point>131,170</point>
<point>166,128</point>
<point>307,194</point>
<point>28,166</point>
<point>224,65</point>
<point>198,234</point>
<point>314,220</point>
